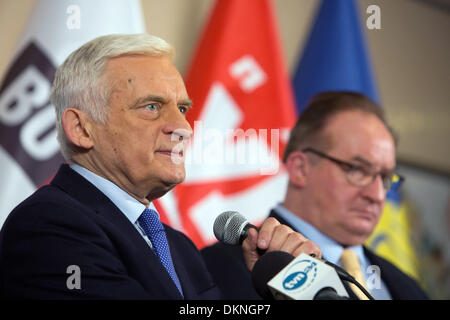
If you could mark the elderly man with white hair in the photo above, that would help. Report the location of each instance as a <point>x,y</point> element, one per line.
<point>93,232</point>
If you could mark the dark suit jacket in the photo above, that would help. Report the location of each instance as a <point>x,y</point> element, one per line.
<point>233,278</point>
<point>71,222</point>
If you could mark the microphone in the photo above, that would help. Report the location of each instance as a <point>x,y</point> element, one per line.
<point>230,227</point>
<point>266,268</point>
<point>281,276</point>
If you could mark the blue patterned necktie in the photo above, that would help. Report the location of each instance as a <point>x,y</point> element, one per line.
<point>153,228</point>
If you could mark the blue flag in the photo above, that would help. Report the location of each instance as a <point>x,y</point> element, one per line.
<point>335,56</point>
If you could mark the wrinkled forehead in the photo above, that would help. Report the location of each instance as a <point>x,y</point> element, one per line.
<point>145,74</point>
<point>357,134</point>
<point>130,65</point>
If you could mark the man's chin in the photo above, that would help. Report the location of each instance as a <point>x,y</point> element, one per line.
<point>164,185</point>
<point>360,236</point>
<point>178,176</point>
<point>159,191</point>
<point>354,235</point>
<point>174,179</point>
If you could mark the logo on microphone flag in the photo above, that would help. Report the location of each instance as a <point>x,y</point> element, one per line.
<point>29,151</point>
<point>243,110</point>
<point>303,276</point>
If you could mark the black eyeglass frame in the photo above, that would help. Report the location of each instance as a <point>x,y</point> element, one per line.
<point>387,181</point>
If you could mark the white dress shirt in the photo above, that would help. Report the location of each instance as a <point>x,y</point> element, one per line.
<point>129,206</point>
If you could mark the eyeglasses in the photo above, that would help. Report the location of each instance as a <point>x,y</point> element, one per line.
<point>360,176</point>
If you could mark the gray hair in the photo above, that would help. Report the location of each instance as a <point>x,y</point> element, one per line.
<point>77,81</point>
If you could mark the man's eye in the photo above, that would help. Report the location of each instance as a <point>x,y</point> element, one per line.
<point>152,107</point>
<point>387,176</point>
<point>359,171</point>
<point>183,109</point>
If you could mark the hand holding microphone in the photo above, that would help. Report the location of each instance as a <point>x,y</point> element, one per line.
<point>283,245</point>
<point>232,228</point>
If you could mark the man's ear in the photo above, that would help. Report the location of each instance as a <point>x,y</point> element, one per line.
<point>77,127</point>
<point>297,168</point>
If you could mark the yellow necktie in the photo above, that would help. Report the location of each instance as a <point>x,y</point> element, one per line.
<point>350,262</point>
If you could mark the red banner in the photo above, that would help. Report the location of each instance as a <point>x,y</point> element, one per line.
<point>243,109</point>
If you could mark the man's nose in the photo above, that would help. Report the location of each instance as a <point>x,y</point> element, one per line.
<point>375,191</point>
<point>177,125</point>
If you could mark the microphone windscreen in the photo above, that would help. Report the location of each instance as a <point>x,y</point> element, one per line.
<point>228,227</point>
<point>266,268</point>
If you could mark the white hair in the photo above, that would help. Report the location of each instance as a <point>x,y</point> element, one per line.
<point>77,81</point>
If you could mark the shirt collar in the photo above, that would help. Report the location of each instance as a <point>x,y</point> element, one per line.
<point>129,206</point>
<point>331,250</point>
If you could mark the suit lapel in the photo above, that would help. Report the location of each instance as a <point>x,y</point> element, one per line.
<point>152,272</point>
<point>183,276</point>
<point>389,278</point>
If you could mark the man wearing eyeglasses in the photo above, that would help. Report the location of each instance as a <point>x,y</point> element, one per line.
<point>340,159</point>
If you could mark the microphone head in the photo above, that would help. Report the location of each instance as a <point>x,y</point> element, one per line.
<point>266,268</point>
<point>228,227</point>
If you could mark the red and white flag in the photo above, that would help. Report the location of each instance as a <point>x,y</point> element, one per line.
<point>29,152</point>
<point>243,110</point>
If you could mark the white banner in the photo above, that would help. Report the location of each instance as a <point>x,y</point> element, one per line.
<point>29,153</point>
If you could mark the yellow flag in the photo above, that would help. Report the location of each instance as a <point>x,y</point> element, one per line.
<point>392,240</point>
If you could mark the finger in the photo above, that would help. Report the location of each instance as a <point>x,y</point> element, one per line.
<point>266,231</point>
<point>249,249</point>
<point>308,247</point>
<point>293,241</point>
<point>250,243</point>
<point>279,237</point>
